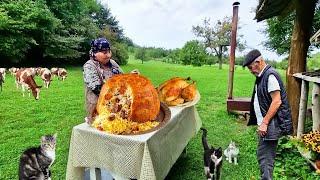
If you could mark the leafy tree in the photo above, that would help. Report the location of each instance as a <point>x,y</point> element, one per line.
<point>141,54</point>
<point>39,31</point>
<point>217,37</point>
<point>23,25</point>
<point>119,53</point>
<point>279,31</point>
<point>193,52</point>
<point>174,56</point>
<point>313,63</point>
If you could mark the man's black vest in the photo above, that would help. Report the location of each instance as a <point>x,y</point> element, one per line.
<point>283,115</point>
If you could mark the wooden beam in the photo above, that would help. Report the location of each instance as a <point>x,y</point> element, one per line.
<point>315,37</point>
<point>316,106</point>
<point>307,78</point>
<point>303,107</point>
<point>269,8</point>
<point>298,53</point>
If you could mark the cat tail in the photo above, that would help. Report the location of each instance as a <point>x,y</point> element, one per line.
<point>204,139</point>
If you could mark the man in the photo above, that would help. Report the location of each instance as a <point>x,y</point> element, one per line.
<point>269,110</point>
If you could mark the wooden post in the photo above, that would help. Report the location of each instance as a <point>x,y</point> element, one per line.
<point>233,44</point>
<point>316,106</point>
<point>303,107</point>
<point>298,53</point>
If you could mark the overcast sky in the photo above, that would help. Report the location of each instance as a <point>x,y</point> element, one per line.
<point>168,23</point>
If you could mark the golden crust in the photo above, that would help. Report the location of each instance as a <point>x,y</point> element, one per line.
<point>176,91</point>
<point>189,93</point>
<point>139,93</point>
<point>171,89</point>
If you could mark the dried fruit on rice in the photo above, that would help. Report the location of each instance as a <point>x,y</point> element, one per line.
<point>127,103</point>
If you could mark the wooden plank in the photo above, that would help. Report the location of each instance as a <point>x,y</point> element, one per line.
<point>315,37</point>
<point>307,78</point>
<point>303,107</point>
<point>316,106</point>
<point>238,104</point>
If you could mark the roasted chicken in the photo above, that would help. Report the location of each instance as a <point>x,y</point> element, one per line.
<point>177,91</point>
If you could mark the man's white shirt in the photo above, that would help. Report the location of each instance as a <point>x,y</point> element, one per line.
<point>273,85</point>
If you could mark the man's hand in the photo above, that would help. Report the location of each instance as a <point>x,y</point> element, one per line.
<point>262,129</point>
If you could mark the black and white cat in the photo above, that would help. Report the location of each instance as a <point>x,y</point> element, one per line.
<point>212,159</point>
<point>231,153</point>
<point>36,161</point>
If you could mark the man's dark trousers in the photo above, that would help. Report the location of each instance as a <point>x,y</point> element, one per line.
<point>266,154</point>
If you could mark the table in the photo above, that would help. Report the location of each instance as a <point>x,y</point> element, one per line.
<point>145,156</point>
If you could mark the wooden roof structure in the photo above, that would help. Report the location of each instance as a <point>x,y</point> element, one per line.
<point>269,8</point>
<point>316,37</point>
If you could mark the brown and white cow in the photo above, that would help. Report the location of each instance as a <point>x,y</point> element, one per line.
<point>13,71</point>
<point>32,71</point>
<point>45,75</point>
<point>54,71</point>
<point>3,72</point>
<point>25,79</point>
<point>62,73</point>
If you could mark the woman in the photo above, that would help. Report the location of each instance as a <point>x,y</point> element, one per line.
<point>96,71</point>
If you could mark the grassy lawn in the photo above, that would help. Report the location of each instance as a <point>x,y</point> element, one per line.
<point>23,120</point>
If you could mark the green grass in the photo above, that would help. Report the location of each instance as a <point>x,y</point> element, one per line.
<point>23,120</point>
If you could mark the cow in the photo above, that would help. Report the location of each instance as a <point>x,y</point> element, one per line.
<point>38,71</point>
<point>32,71</point>
<point>62,73</point>
<point>25,79</point>
<point>13,71</point>
<point>1,81</point>
<point>54,71</point>
<point>45,75</point>
<point>3,72</point>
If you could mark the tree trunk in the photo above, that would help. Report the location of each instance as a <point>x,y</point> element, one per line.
<point>298,53</point>
<point>220,57</point>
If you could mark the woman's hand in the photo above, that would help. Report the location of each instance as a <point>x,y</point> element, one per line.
<point>135,71</point>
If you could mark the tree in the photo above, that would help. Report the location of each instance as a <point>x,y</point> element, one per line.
<point>279,31</point>
<point>193,52</point>
<point>141,54</point>
<point>174,56</point>
<point>217,37</point>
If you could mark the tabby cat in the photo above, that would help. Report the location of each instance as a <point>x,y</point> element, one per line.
<point>212,159</point>
<point>36,161</point>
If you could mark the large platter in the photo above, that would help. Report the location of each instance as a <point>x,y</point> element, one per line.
<point>190,103</point>
<point>163,117</point>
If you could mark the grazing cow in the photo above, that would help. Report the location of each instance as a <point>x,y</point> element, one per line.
<point>62,73</point>
<point>3,72</point>
<point>38,71</point>
<point>32,71</point>
<point>1,81</point>
<point>54,71</point>
<point>25,79</point>
<point>45,75</point>
<point>13,71</point>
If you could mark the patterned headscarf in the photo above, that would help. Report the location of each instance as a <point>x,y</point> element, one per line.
<point>100,44</point>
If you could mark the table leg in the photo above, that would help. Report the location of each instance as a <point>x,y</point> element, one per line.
<point>92,173</point>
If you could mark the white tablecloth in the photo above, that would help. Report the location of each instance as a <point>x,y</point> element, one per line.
<point>145,156</point>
